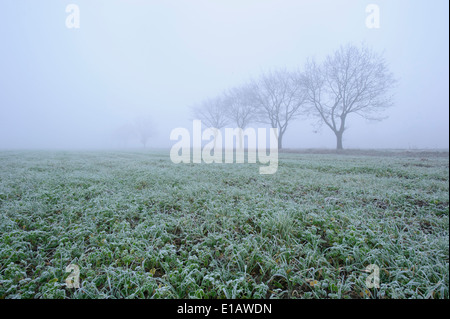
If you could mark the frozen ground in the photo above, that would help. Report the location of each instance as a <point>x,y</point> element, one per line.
<point>139,226</point>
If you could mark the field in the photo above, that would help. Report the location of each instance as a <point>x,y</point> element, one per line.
<point>139,226</point>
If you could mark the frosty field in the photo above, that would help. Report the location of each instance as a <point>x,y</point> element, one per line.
<point>139,226</point>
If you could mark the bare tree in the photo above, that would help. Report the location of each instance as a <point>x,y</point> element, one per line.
<point>279,98</point>
<point>352,80</point>
<point>240,107</point>
<point>145,129</point>
<point>212,113</point>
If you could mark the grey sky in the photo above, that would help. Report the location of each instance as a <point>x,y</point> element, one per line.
<point>71,88</point>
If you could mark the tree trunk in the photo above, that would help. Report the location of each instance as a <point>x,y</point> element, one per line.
<point>339,140</point>
<point>241,140</point>
<point>280,141</point>
<point>215,138</point>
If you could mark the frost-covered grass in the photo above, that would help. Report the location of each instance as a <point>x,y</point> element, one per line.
<point>139,226</point>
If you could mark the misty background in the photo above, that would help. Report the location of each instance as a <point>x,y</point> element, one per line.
<point>64,88</point>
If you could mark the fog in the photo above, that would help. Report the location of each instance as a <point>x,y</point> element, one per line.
<point>73,88</point>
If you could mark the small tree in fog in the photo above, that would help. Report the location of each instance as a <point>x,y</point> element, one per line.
<point>279,98</point>
<point>145,129</point>
<point>212,113</point>
<point>352,80</point>
<point>240,107</point>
